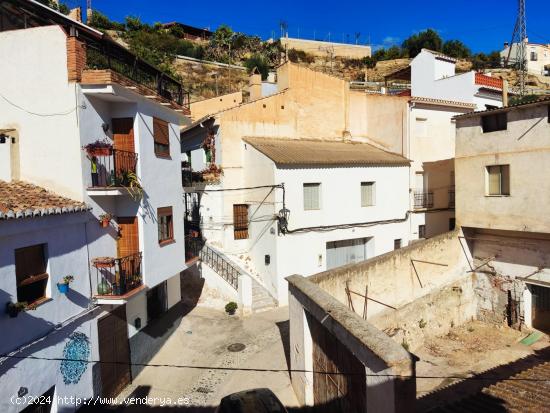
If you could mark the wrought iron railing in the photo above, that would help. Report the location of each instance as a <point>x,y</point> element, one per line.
<point>190,178</point>
<point>112,167</point>
<point>423,199</point>
<point>451,198</point>
<point>104,55</point>
<point>193,247</point>
<point>118,276</point>
<point>221,266</point>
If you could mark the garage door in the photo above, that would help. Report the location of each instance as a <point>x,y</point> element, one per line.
<point>540,308</point>
<point>114,352</point>
<point>339,380</point>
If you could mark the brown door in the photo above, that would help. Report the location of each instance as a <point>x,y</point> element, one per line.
<point>123,138</point>
<point>540,308</point>
<point>114,352</point>
<point>339,381</point>
<point>128,241</point>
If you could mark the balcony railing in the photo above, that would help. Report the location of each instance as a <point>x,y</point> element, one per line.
<point>117,276</point>
<point>451,198</point>
<point>423,199</point>
<point>112,168</point>
<point>104,55</point>
<point>190,178</point>
<point>221,265</point>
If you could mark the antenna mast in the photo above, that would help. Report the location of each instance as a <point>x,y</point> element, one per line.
<point>519,41</point>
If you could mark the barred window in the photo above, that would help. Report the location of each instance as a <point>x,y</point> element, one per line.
<point>312,194</point>
<point>368,194</point>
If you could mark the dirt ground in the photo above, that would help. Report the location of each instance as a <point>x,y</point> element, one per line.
<point>468,350</point>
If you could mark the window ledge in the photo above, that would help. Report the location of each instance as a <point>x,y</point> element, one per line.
<point>497,196</point>
<point>39,302</point>
<point>163,156</point>
<point>167,242</point>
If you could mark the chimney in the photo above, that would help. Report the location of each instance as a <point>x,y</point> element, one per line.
<point>255,84</point>
<point>504,92</point>
<point>89,13</point>
<point>76,14</point>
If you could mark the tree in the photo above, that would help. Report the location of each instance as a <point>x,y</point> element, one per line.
<point>259,62</point>
<point>428,39</point>
<point>393,52</point>
<point>486,61</point>
<point>102,22</point>
<point>62,8</point>
<point>455,48</point>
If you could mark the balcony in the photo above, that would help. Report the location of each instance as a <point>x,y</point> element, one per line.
<point>117,278</point>
<point>208,176</point>
<point>107,63</point>
<point>423,200</point>
<point>112,170</point>
<point>193,247</point>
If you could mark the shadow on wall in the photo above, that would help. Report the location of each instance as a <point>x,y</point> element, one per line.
<point>151,338</point>
<point>25,321</point>
<point>465,395</point>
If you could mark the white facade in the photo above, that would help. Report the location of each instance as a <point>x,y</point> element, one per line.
<point>537,55</point>
<point>433,76</point>
<point>52,120</point>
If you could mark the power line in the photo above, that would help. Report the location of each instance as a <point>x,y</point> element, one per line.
<point>35,113</point>
<point>251,369</point>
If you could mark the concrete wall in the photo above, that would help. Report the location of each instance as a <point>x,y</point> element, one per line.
<point>319,48</point>
<point>389,368</point>
<point>523,146</point>
<point>392,279</point>
<point>48,150</point>
<point>202,108</point>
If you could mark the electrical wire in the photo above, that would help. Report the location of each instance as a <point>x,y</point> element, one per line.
<point>36,113</point>
<point>334,227</point>
<point>252,369</point>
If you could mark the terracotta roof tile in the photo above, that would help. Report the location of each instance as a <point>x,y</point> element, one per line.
<point>23,200</point>
<point>324,152</point>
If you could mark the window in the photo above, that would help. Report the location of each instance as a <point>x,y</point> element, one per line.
<point>548,114</point>
<point>397,244</point>
<point>347,252</point>
<point>498,180</point>
<point>165,225</point>
<point>534,56</point>
<point>452,223</point>
<point>240,221</point>
<point>368,194</point>
<point>161,136</point>
<point>30,273</point>
<point>493,123</point>
<point>422,231</point>
<point>312,194</point>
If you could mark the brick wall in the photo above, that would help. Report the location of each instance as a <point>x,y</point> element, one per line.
<point>76,58</point>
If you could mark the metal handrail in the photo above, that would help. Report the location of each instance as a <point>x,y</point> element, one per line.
<point>221,265</point>
<point>119,276</point>
<point>423,199</point>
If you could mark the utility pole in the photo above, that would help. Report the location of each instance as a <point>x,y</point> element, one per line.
<point>519,40</point>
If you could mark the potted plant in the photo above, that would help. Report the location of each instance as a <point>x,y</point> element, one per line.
<point>105,219</point>
<point>99,148</point>
<point>212,173</point>
<point>63,286</point>
<point>231,307</point>
<point>13,309</point>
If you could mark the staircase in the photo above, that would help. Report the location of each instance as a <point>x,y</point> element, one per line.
<point>261,299</point>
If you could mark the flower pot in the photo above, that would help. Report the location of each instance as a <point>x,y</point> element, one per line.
<point>104,223</point>
<point>231,312</point>
<point>100,151</point>
<point>63,288</point>
<point>12,311</point>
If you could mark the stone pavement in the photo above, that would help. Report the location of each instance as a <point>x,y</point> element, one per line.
<point>202,339</point>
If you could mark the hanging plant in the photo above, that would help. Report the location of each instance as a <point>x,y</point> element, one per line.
<point>99,148</point>
<point>105,220</point>
<point>103,262</point>
<point>63,286</point>
<point>133,186</point>
<point>13,309</point>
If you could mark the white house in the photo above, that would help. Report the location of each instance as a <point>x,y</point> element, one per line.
<point>88,120</point>
<point>537,56</point>
<point>43,238</point>
<point>433,75</point>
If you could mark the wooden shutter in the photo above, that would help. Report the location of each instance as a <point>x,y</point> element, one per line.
<point>123,134</point>
<point>160,131</point>
<point>29,261</point>
<point>240,221</point>
<point>128,241</point>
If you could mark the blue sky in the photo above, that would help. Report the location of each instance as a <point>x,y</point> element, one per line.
<point>482,25</point>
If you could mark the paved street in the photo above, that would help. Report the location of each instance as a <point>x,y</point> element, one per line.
<point>202,339</point>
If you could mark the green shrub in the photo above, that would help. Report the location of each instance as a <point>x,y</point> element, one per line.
<point>231,307</point>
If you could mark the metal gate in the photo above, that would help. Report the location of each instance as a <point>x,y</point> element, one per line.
<point>540,309</point>
<point>339,380</point>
